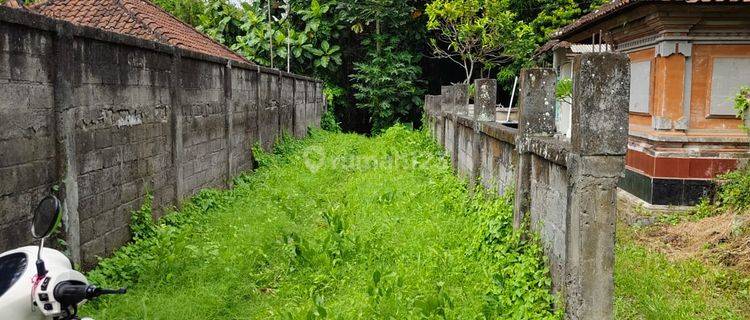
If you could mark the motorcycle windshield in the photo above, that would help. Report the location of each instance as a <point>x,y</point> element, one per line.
<point>12,267</point>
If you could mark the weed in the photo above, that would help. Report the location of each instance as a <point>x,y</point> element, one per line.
<point>398,238</point>
<point>329,123</point>
<point>649,286</point>
<point>734,190</point>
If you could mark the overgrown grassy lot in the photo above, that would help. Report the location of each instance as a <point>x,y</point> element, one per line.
<point>649,285</point>
<point>336,226</point>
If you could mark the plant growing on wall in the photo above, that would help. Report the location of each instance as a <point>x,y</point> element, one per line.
<point>742,106</point>
<point>564,90</point>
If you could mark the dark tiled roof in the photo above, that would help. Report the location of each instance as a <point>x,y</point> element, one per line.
<point>138,18</point>
<point>618,5</point>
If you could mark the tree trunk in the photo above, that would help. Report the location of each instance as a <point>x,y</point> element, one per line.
<point>270,38</point>
<point>377,36</point>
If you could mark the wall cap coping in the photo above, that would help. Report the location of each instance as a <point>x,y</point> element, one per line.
<point>548,148</point>
<point>686,138</point>
<point>500,132</point>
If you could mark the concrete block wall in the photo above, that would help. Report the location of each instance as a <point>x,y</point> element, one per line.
<point>548,192</point>
<point>110,118</point>
<point>244,119</point>
<point>120,97</point>
<point>27,138</point>
<point>464,145</point>
<point>498,157</point>
<point>565,189</point>
<point>481,151</point>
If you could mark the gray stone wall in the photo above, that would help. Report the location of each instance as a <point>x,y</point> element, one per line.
<point>565,189</point>
<point>203,136</point>
<point>548,192</point>
<point>27,134</point>
<point>244,119</point>
<point>498,158</point>
<point>109,119</point>
<point>122,138</point>
<point>464,145</point>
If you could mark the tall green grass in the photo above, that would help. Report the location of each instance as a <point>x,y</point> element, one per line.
<point>336,226</point>
<point>649,286</point>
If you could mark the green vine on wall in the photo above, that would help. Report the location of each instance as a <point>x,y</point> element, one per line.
<point>742,105</point>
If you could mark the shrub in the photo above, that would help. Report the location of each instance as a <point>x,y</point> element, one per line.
<point>734,190</point>
<point>387,85</point>
<point>153,240</point>
<point>328,122</point>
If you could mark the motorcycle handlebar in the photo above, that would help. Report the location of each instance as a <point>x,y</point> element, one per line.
<point>69,293</point>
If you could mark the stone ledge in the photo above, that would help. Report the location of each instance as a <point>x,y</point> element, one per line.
<point>687,138</point>
<point>500,132</point>
<point>548,148</point>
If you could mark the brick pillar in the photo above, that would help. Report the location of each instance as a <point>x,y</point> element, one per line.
<point>65,136</point>
<point>599,130</point>
<point>228,117</point>
<point>536,118</point>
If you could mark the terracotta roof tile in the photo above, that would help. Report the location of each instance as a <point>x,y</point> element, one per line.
<point>618,5</point>
<point>12,4</point>
<point>139,18</point>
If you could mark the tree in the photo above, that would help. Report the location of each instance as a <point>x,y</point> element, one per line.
<point>387,85</point>
<point>471,32</point>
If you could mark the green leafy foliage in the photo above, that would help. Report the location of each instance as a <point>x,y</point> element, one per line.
<point>153,242</point>
<point>329,123</point>
<point>312,34</point>
<point>536,21</point>
<point>564,90</point>
<point>734,189</point>
<point>471,32</point>
<point>387,85</point>
<point>742,105</point>
<point>382,229</point>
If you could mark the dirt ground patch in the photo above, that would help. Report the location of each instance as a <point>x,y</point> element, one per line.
<point>722,240</point>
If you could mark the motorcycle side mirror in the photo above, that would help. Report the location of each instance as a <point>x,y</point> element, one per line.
<point>46,217</point>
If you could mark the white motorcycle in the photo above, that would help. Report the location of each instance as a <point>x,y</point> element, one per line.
<point>52,290</point>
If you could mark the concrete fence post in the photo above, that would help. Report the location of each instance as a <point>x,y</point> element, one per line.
<point>228,123</point>
<point>431,108</point>
<point>460,99</point>
<point>536,118</point>
<point>446,104</point>
<point>599,133</point>
<point>65,136</point>
<point>484,110</point>
<point>485,99</point>
<point>279,107</point>
<point>176,118</point>
<point>258,112</point>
